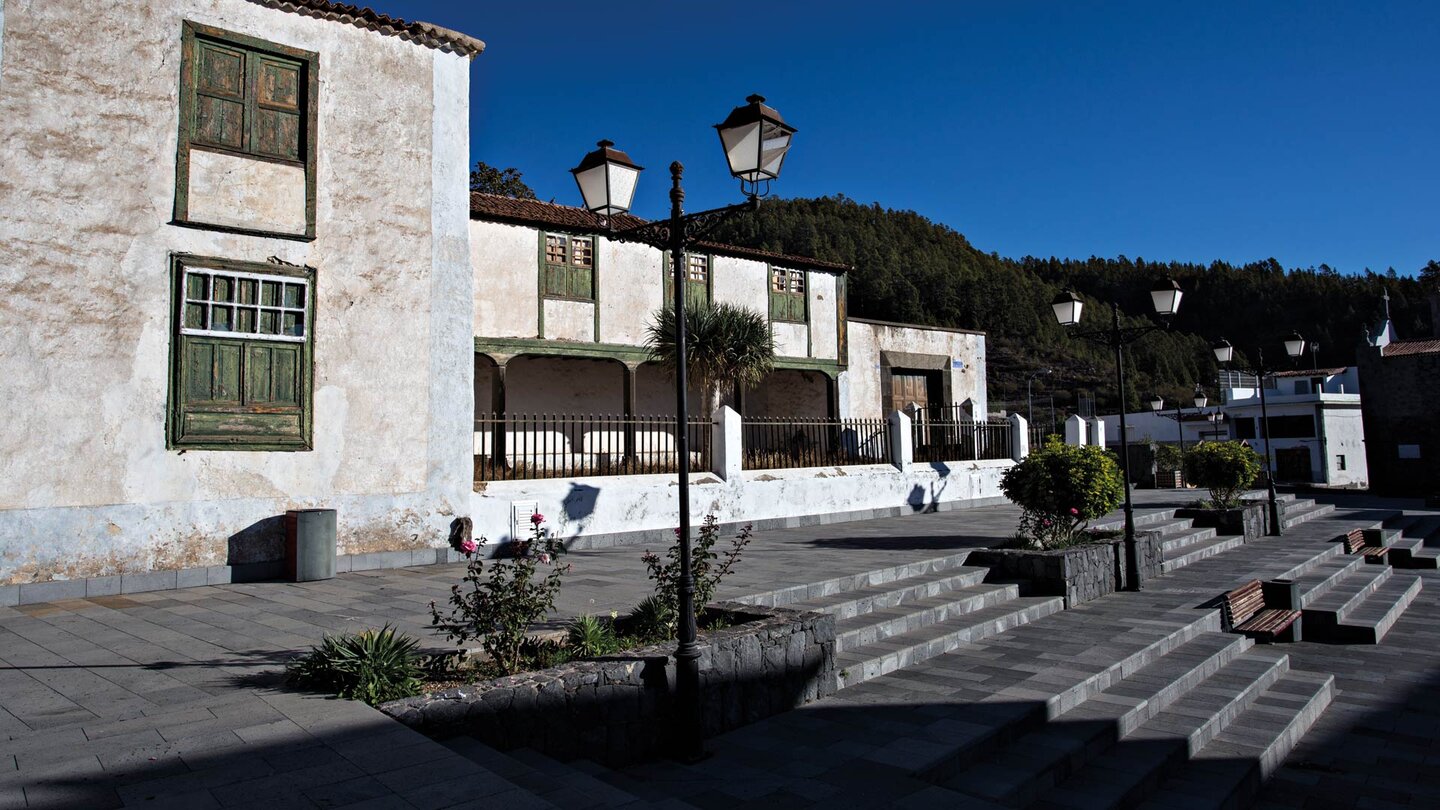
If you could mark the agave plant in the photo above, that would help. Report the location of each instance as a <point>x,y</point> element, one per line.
<point>590,636</point>
<point>373,666</point>
<point>723,343</point>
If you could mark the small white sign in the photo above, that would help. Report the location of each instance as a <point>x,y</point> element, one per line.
<point>1409,451</point>
<point>520,512</point>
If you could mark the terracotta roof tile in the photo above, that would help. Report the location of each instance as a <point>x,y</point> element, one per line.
<point>421,33</point>
<point>1400,348</point>
<point>535,212</point>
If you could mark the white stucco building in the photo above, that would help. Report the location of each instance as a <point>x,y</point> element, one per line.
<point>235,282</point>
<point>1315,424</point>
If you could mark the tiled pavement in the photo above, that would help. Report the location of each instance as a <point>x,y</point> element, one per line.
<point>166,699</point>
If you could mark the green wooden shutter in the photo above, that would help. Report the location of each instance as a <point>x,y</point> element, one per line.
<point>277,107</point>
<point>220,95</point>
<point>797,307</point>
<point>582,281</point>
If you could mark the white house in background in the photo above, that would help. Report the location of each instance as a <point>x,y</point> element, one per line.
<point>570,414</point>
<point>234,283</point>
<point>1315,423</point>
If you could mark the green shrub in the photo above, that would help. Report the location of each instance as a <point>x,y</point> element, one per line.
<point>373,666</point>
<point>1060,489</point>
<point>653,618</point>
<point>588,636</point>
<point>709,567</point>
<point>499,609</point>
<point>1227,469</point>
<point>1167,458</point>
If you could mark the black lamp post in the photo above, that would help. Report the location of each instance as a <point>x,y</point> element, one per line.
<point>1225,353</point>
<point>755,139</point>
<point>1029,399</point>
<point>1158,403</point>
<point>1165,297</point>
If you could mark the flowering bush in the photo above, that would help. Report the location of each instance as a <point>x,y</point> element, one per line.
<point>1060,489</point>
<point>498,608</point>
<point>708,566</point>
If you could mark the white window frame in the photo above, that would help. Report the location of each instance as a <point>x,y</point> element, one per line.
<point>303,311</point>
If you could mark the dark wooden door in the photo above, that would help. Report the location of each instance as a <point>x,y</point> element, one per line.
<point>1292,464</point>
<point>908,388</point>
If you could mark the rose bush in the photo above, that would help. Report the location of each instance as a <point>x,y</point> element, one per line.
<point>1060,489</point>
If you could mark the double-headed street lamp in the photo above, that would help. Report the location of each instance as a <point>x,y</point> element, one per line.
<point>755,139</point>
<point>1165,298</point>
<point>1158,404</point>
<point>1225,354</point>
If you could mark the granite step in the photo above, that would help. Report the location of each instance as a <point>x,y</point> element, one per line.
<point>791,594</point>
<point>1368,622</point>
<point>1188,536</point>
<point>1185,555</point>
<point>1139,763</point>
<point>1327,611</point>
<point>560,784</point>
<point>861,601</point>
<point>1228,772</point>
<point>880,624</point>
<point>1302,511</point>
<point>1017,773</point>
<point>1409,552</point>
<point>1143,518</point>
<point>1333,569</point>
<point>860,664</point>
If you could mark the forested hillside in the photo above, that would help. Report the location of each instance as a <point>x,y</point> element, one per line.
<point>910,269</point>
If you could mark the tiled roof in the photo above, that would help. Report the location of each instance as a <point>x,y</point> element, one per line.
<point>534,212</point>
<point>1400,348</point>
<point>1310,372</point>
<point>421,33</point>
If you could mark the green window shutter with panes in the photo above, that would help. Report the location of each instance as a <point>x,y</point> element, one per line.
<point>242,377</point>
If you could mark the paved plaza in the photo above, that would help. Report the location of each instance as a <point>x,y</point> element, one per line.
<point>172,699</point>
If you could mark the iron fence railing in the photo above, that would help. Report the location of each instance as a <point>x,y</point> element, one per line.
<point>785,443</point>
<point>943,434</point>
<point>1037,436</point>
<point>516,447</point>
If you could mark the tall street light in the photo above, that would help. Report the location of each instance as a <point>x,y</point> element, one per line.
<point>1165,298</point>
<point>1158,404</point>
<point>755,140</point>
<point>1225,354</point>
<point>1029,400</point>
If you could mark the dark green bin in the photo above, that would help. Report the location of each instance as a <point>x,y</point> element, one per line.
<point>309,544</point>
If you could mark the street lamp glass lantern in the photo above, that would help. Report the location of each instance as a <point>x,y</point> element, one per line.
<point>1067,306</point>
<point>756,140</point>
<point>1165,295</point>
<point>1224,352</point>
<point>1295,345</point>
<point>1157,403</point>
<point>1200,399</point>
<point>607,179</point>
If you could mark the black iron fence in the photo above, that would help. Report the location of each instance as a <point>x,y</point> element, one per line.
<point>516,447</point>
<point>1038,433</point>
<point>785,443</point>
<point>946,434</point>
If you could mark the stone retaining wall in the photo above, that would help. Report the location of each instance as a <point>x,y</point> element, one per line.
<point>1251,520</point>
<point>1079,573</point>
<point>618,710</point>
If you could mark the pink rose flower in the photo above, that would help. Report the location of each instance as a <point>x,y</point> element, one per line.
<point>544,558</point>
<point>537,519</point>
<point>1074,511</point>
<point>468,546</point>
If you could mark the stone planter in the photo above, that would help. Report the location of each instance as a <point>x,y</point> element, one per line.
<point>619,709</point>
<point>1078,573</point>
<point>1251,520</point>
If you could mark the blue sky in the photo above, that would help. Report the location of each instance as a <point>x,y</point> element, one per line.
<point>1306,131</point>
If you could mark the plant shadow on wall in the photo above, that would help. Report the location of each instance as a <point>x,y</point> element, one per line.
<point>1059,490</point>
<point>579,503</point>
<point>925,501</point>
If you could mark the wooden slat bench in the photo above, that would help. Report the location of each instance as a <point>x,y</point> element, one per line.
<point>1357,541</point>
<point>1246,612</point>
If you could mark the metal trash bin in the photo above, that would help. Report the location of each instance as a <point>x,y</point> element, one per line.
<point>309,544</point>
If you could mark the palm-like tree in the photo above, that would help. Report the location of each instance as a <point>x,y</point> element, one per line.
<point>723,342</point>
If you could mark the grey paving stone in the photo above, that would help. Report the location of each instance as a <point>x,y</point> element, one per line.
<point>152,581</point>
<point>36,592</point>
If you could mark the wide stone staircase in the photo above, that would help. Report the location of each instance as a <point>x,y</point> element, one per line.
<point>957,692</point>
<point>1415,542</point>
<point>891,618</point>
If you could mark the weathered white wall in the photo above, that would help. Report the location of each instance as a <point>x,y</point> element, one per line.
<point>605,505</point>
<point>245,193</point>
<point>506,261</point>
<point>569,320</point>
<point>1344,435</point>
<point>823,321</point>
<point>742,282</point>
<point>791,339</point>
<point>788,392</point>
<point>630,290</point>
<point>860,382</point>
<point>87,486</point>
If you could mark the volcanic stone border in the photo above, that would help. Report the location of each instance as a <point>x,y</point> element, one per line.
<point>1250,520</point>
<point>1078,573</point>
<point>619,709</point>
